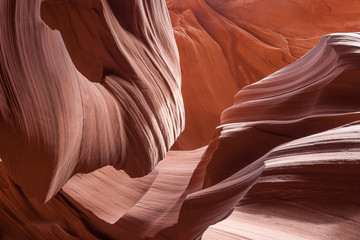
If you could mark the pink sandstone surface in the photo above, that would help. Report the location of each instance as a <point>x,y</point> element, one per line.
<point>93,94</point>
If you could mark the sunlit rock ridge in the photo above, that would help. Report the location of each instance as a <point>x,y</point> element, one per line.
<point>93,94</point>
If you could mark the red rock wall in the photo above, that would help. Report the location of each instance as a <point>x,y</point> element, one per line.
<point>226,45</point>
<point>285,155</point>
<point>55,122</point>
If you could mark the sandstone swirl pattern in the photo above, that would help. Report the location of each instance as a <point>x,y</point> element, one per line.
<point>226,45</point>
<point>285,155</point>
<point>55,122</point>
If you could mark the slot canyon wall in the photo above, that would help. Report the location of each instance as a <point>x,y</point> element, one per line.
<point>225,45</point>
<point>259,102</point>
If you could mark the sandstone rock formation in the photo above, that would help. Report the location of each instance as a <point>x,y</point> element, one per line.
<point>285,155</point>
<point>54,121</point>
<point>226,45</point>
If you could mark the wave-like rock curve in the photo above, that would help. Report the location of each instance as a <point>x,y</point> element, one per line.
<point>283,141</point>
<point>226,45</point>
<point>55,122</point>
<point>308,190</point>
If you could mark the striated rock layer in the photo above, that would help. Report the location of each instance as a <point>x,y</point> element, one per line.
<point>308,190</point>
<point>54,121</point>
<point>226,45</point>
<point>285,155</point>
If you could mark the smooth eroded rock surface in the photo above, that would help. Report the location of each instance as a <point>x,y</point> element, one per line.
<point>90,102</point>
<point>54,121</point>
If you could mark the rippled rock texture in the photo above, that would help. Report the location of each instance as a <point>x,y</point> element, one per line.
<point>225,45</point>
<point>55,120</point>
<point>90,102</point>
